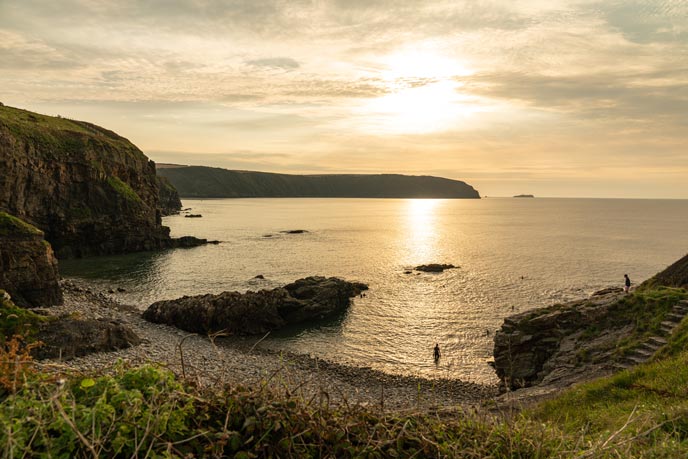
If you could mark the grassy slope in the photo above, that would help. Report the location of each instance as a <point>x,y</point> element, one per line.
<point>57,135</point>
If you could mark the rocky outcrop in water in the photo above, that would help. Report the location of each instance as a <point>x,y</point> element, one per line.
<point>91,191</point>
<point>257,312</point>
<point>434,267</point>
<point>28,267</point>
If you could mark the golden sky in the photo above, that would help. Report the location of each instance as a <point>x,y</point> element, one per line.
<point>551,97</point>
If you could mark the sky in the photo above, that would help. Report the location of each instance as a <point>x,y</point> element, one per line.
<point>550,97</point>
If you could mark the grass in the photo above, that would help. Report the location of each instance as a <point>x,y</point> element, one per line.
<point>11,225</point>
<point>645,309</point>
<point>147,412</point>
<point>22,120</point>
<point>642,412</point>
<point>53,137</point>
<point>17,321</point>
<point>124,190</point>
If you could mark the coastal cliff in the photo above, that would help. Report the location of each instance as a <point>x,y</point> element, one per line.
<point>28,267</point>
<point>90,190</point>
<point>169,201</point>
<point>210,182</point>
<point>611,330</point>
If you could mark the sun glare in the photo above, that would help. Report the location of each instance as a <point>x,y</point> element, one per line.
<point>423,94</point>
<point>421,221</point>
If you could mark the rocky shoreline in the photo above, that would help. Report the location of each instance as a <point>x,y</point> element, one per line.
<point>224,361</point>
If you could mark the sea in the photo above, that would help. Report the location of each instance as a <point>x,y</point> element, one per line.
<point>513,254</point>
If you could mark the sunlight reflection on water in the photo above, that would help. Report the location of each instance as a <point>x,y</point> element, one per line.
<point>514,255</point>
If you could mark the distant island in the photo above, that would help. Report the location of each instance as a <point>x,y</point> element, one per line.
<point>211,182</point>
<point>524,196</point>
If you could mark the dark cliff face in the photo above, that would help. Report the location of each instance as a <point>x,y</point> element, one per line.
<point>28,267</point>
<point>169,201</point>
<point>91,191</point>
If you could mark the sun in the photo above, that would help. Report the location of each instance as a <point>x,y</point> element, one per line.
<point>423,94</point>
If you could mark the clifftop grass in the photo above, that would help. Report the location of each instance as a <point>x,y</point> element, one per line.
<point>54,135</point>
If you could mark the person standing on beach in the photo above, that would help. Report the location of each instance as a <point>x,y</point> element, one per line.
<point>627,283</point>
<point>437,352</point>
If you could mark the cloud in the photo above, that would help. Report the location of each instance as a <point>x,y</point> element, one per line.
<point>602,82</point>
<point>648,21</point>
<point>285,63</point>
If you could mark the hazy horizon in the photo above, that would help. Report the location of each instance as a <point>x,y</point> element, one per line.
<point>564,98</point>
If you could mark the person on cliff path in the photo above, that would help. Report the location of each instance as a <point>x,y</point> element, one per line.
<point>437,352</point>
<point>627,283</point>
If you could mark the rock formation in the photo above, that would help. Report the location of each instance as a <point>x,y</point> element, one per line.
<point>434,267</point>
<point>68,338</point>
<point>168,198</point>
<point>257,312</point>
<point>91,191</point>
<point>28,267</point>
<point>532,345</point>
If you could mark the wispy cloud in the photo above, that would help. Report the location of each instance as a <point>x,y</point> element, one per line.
<point>534,89</point>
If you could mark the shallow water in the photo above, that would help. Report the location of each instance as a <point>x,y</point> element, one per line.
<point>514,254</point>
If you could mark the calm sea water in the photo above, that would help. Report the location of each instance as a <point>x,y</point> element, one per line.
<point>514,254</point>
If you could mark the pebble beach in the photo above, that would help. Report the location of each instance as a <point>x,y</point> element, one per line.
<point>215,361</point>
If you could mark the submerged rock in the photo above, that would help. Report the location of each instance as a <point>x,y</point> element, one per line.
<point>257,312</point>
<point>186,242</point>
<point>434,267</point>
<point>297,231</point>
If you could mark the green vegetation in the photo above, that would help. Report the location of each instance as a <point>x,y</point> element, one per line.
<point>146,412</point>
<point>22,120</point>
<point>53,136</point>
<point>124,190</point>
<point>641,412</point>
<point>16,321</point>
<point>10,225</point>
<point>645,309</point>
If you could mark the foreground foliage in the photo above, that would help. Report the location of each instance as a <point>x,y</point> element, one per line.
<point>146,412</point>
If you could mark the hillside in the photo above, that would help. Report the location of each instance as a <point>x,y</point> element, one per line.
<point>90,190</point>
<point>675,275</point>
<point>208,182</point>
